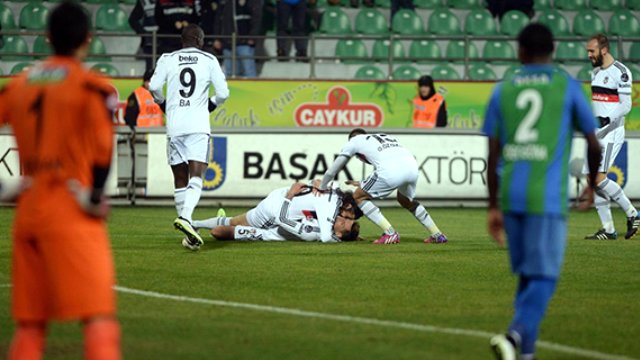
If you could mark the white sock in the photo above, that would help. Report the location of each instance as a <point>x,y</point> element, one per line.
<point>425,219</point>
<point>211,222</point>
<point>191,197</point>
<point>374,214</point>
<point>178,196</point>
<point>604,212</point>
<point>615,193</point>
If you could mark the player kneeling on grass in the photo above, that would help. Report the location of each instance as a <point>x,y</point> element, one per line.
<point>293,212</point>
<point>395,169</point>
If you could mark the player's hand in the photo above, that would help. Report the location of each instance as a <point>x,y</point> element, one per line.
<point>586,199</point>
<point>495,226</point>
<point>295,189</point>
<point>353,183</point>
<point>10,189</point>
<point>83,196</point>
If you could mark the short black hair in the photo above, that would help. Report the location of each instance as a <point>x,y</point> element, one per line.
<point>147,75</point>
<point>353,234</point>
<point>536,40</point>
<point>602,39</point>
<point>357,131</point>
<point>68,27</point>
<point>192,34</point>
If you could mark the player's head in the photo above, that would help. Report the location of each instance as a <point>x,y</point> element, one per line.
<point>425,86</point>
<point>193,36</point>
<point>349,204</point>
<point>344,224</point>
<point>535,44</point>
<point>597,49</point>
<point>357,131</point>
<point>353,234</point>
<point>146,78</point>
<point>68,30</point>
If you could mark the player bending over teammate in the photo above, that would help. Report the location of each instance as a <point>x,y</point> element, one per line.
<point>395,169</point>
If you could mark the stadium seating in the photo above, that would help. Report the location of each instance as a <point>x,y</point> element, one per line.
<point>335,21</point>
<point>623,22</point>
<point>33,16</point>
<point>110,17</point>
<point>512,22</point>
<point>14,44</point>
<point>6,18</point>
<point>480,22</point>
<point>541,4</point>
<point>424,51</point>
<point>427,4</point>
<point>351,48</point>
<point>499,52</point>
<point>634,52</point>
<point>584,74</point>
<point>385,4</point>
<point>587,22</point>
<point>106,69</point>
<point>633,4</point>
<point>456,50</point>
<point>570,4</point>
<point>380,51</point>
<point>129,2</point>
<point>371,22</point>
<point>406,72</point>
<point>481,72</point>
<point>443,22</point>
<point>41,47</point>
<point>19,67</point>
<point>555,21</point>
<point>635,72</point>
<point>370,72</point>
<point>606,4</point>
<point>407,22</point>
<point>613,48</point>
<point>570,52</point>
<point>97,50</point>
<point>465,4</point>
<point>511,71</point>
<point>444,72</point>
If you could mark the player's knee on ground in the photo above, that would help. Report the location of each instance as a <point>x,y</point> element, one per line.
<point>223,232</point>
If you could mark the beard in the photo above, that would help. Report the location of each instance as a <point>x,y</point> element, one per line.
<point>597,61</point>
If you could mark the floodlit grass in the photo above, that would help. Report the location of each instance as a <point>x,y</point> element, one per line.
<point>465,284</point>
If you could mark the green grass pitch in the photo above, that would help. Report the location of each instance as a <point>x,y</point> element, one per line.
<point>404,301</point>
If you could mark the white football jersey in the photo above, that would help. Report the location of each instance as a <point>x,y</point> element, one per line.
<point>376,149</point>
<point>189,73</point>
<point>324,208</point>
<point>606,87</point>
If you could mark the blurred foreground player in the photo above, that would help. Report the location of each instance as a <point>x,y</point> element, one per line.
<point>530,121</point>
<point>61,115</point>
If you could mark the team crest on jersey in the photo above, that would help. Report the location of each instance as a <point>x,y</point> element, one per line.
<point>606,79</point>
<point>216,171</point>
<point>618,171</point>
<point>624,77</point>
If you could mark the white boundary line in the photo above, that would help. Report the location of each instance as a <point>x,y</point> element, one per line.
<point>367,321</point>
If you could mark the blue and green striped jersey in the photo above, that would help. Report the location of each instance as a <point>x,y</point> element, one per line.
<point>533,115</point>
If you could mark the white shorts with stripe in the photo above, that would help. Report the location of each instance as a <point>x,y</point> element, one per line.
<point>264,215</point>
<point>185,148</point>
<point>402,175</point>
<point>611,145</point>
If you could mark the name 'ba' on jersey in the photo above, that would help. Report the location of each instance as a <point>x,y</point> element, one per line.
<point>189,73</point>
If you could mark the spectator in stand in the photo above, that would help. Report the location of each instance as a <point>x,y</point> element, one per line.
<point>142,20</point>
<point>207,23</point>
<point>141,109</point>
<point>296,12</point>
<point>171,17</point>
<point>429,108</point>
<point>500,7</point>
<point>401,4</point>
<point>244,18</point>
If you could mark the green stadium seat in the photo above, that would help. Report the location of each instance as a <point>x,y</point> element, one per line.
<point>407,22</point>
<point>584,74</point>
<point>633,4</point>
<point>511,71</point>
<point>444,72</point>
<point>512,22</point>
<point>555,21</point>
<point>335,21</point>
<point>129,2</point>
<point>424,51</point>
<point>371,22</point>
<point>570,52</point>
<point>106,69</point>
<point>571,4</point>
<point>100,2</point>
<point>613,48</point>
<point>541,4</point>
<point>427,4</point>
<point>481,72</point>
<point>623,22</point>
<point>97,50</point>
<point>406,72</point>
<point>634,52</point>
<point>498,50</point>
<point>33,16</point>
<point>14,44</point>
<point>480,22</point>
<point>587,22</point>
<point>606,5</point>
<point>111,17</point>
<point>41,47</point>
<point>443,22</point>
<point>380,51</point>
<point>635,72</point>
<point>20,67</point>
<point>456,50</point>
<point>351,51</point>
<point>370,72</point>
<point>383,4</point>
<point>6,18</point>
<point>465,4</point>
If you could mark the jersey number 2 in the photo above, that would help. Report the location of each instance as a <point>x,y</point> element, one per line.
<point>189,82</point>
<point>533,100</point>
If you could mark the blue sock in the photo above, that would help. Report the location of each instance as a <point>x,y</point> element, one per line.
<point>531,302</point>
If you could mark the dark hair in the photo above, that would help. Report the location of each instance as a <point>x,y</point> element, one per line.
<point>603,41</point>
<point>352,235</point>
<point>192,35</point>
<point>357,131</point>
<point>349,203</point>
<point>536,40</point>
<point>425,80</point>
<point>68,27</point>
<point>147,75</point>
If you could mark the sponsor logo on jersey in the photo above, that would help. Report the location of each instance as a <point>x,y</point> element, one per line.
<point>188,58</point>
<point>618,171</point>
<point>338,111</point>
<point>217,158</point>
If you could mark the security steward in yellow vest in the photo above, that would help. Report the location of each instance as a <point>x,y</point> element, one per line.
<point>429,108</point>
<point>141,110</point>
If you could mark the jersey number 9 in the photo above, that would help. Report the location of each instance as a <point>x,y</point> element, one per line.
<point>189,82</point>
